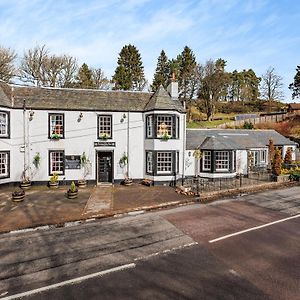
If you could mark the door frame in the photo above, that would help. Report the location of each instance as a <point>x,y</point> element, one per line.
<point>112,164</point>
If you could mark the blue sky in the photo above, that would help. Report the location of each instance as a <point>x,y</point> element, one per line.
<point>246,33</point>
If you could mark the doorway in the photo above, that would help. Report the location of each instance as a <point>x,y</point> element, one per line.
<point>104,166</point>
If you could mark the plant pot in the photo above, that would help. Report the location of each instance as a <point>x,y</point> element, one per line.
<point>81,183</point>
<point>18,196</point>
<point>127,181</point>
<point>53,185</point>
<point>72,195</point>
<point>25,185</point>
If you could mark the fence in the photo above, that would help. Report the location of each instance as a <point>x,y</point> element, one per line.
<point>258,120</point>
<point>200,185</point>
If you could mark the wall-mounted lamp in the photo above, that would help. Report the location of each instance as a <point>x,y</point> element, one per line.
<point>123,118</point>
<point>80,117</point>
<point>31,114</point>
<point>189,153</point>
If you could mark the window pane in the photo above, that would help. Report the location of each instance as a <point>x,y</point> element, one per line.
<point>56,124</point>
<point>57,162</point>
<point>206,160</point>
<point>164,126</point>
<point>3,164</point>
<point>3,124</point>
<point>149,126</point>
<point>222,160</point>
<point>164,162</point>
<point>105,125</point>
<point>149,160</point>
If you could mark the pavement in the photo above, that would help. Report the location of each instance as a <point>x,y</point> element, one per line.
<point>237,248</point>
<point>43,206</point>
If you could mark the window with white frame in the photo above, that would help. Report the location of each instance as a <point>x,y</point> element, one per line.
<point>57,162</point>
<point>149,125</point>
<point>164,162</point>
<point>149,162</point>
<point>222,160</point>
<point>258,158</point>
<point>206,161</point>
<point>4,120</point>
<point>105,126</point>
<point>56,126</point>
<point>4,164</point>
<point>164,126</point>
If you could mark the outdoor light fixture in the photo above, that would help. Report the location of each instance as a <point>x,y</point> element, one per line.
<point>80,117</point>
<point>31,114</point>
<point>123,118</point>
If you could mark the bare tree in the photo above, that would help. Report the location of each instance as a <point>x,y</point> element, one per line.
<point>271,86</point>
<point>42,69</point>
<point>213,78</point>
<point>100,80</point>
<point>7,68</point>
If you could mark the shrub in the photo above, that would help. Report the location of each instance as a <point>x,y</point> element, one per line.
<point>288,156</point>
<point>277,161</point>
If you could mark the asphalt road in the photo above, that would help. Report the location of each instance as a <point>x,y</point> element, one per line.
<point>165,261</point>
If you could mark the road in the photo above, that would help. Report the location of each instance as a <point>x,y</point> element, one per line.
<point>241,248</point>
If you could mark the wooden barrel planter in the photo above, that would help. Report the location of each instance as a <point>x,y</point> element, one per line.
<point>25,185</point>
<point>81,183</point>
<point>72,195</point>
<point>18,195</point>
<point>53,185</point>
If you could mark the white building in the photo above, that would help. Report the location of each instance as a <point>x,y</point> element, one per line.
<point>112,127</point>
<point>60,125</point>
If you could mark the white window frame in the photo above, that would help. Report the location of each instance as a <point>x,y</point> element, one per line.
<point>164,125</point>
<point>149,162</point>
<point>105,126</point>
<point>4,164</point>
<point>56,124</point>
<point>57,157</point>
<point>222,161</point>
<point>164,162</point>
<point>206,161</point>
<point>149,126</point>
<point>4,124</point>
<point>259,157</point>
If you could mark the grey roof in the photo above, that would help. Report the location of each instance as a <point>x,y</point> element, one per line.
<point>82,99</point>
<point>235,139</point>
<point>161,100</point>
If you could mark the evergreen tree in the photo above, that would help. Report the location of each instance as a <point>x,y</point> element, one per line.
<point>288,156</point>
<point>277,161</point>
<point>295,86</point>
<point>85,77</point>
<point>162,72</point>
<point>187,68</point>
<point>250,85</point>
<point>129,74</point>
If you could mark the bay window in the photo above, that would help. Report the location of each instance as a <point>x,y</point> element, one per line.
<point>162,126</point>
<point>162,162</point>
<point>222,160</point>
<point>206,161</point>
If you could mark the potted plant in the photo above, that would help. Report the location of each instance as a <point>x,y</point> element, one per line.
<point>37,160</point>
<point>18,195</point>
<point>72,191</point>
<point>55,136</point>
<point>165,137</point>
<point>84,162</point>
<point>26,182</point>
<point>104,136</point>
<point>53,183</point>
<point>123,160</point>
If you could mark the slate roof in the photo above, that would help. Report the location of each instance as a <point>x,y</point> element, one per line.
<point>294,106</point>
<point>85,99</point>
<point>161,100</point>
<point>235,139</point>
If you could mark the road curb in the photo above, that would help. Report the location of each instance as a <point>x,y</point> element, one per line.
<point>203,199</point>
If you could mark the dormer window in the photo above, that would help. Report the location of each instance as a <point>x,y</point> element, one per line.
<point>4,124</point>
<point>56,126</point>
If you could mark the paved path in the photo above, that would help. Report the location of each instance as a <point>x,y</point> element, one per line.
<point>100,199</point>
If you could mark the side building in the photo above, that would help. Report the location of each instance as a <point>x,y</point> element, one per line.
<point>134,134</point>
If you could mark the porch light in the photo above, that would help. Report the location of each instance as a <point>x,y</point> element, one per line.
<point>80,117</point>
<point>31,114</point>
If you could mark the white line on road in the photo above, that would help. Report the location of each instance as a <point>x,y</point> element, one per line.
<point>68,282</point>
<point>253,228</point>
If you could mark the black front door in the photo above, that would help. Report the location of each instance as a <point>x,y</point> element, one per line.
<point>105,167</point>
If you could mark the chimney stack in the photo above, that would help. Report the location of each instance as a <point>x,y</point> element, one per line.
<point>173,88</point>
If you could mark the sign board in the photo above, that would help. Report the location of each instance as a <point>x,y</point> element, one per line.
<point>104,144</point>
<point>72,161</point>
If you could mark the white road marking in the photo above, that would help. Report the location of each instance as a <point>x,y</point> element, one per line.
<point>253,228</point>
<point>68,282</point>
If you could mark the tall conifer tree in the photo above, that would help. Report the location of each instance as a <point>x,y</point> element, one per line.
<point>129,74</point>
<point>85,77</point>
<point>295,86</point>
<point>162,72</point>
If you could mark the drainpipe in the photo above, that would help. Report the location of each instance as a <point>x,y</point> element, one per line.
<point>24,137</point>
<point>183,150</point>
<point>128,146</point>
